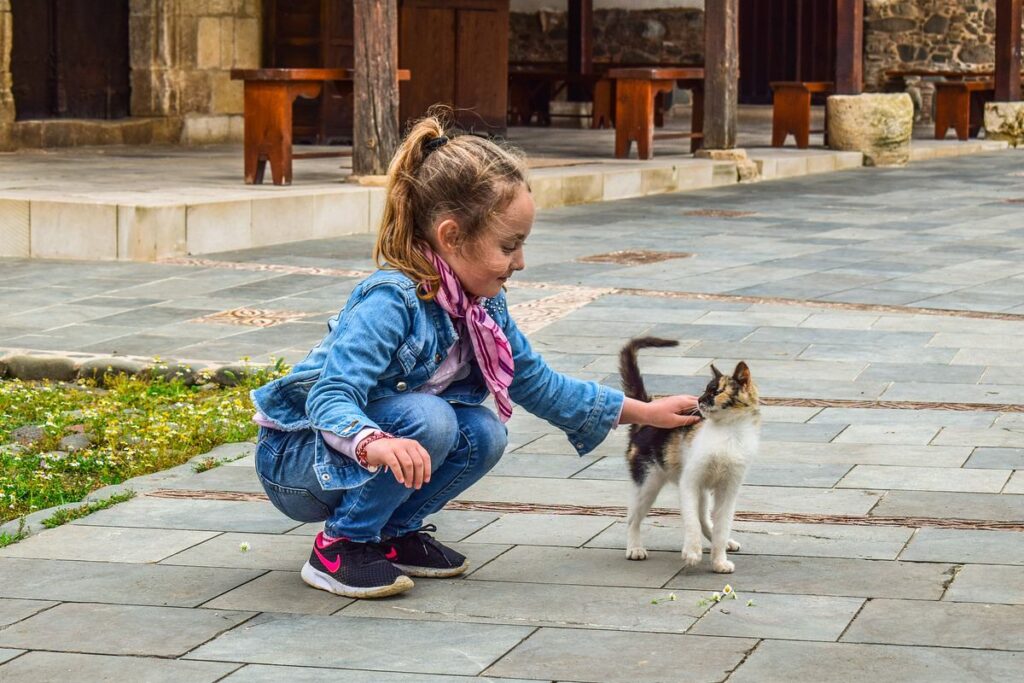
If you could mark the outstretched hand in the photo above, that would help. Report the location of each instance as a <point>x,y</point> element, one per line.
<point>669,412</point>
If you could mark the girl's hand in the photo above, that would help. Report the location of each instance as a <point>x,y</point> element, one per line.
<point>406,458</point>
<point>669,412</point>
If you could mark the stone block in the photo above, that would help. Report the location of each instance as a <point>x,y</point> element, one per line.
<point>55,666</point>
<point>623,184</point>
<point>282,219</point>
<point>377,199</point>
<point>658,180</point>
<point>943,624</point>
<point>343,213</point>
<point>105,544</point>
<point>79,231</point>
<point>15,235</point>
<point>148,233</point>
<point>546,191</point>
<point>583,188</point>
<point>218,226</point>
<point>227,95</point>
<point>208,43</point>
<point>30,368</point>
<point>878,125</point>
<point>1005,121</point>
<point>246,44</point>
<point>789,617</point>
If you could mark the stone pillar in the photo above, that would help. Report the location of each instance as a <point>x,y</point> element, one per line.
<point>6,41</point>
<point>1005,121</point>
<point>878,125</point>
<point>153,51</point>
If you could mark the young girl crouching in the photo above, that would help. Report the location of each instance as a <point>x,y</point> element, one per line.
<point>384,421</point>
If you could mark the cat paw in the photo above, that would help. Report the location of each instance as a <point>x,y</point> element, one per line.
<point>639,553</point>
<point>723,567</point>
<point>732,546</point>
<point>691,558</point>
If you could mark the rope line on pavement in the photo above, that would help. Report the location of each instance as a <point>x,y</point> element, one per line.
<point>620,511</point>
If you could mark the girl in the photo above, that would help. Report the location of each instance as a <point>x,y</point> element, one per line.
<point>384,422</point>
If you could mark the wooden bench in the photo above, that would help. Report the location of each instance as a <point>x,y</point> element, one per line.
<point>791,110</point>
<point>530,93</point>
<point>269,94</point>
<point>961,105</point>
<point>635,92</point>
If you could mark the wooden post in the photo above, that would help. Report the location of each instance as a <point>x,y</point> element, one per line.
<point>849,47</point>
<point>375,135</point>
<point>580,55</point>
<point>721,73</point>
<point>1008,16</point>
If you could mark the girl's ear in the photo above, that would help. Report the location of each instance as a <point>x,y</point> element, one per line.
<point>448,235</point>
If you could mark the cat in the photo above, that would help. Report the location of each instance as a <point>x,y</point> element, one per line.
<point>707,460</point>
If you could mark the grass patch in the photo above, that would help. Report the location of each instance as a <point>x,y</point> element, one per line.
<point>139,425</point>
<point>65,515</point>
<point>6,539</point>
<point>205,464</point>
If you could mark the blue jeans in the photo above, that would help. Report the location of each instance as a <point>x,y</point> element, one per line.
<point>464,443</point>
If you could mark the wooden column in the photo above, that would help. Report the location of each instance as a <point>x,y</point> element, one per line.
<point>1008,17</point>
<point>375,135</point>
<point>849,47</point>
<point>721,73</point>
<point>580,53</point>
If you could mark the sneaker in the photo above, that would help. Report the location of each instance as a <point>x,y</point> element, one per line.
<point>355,570</point>
<point>418,554</point>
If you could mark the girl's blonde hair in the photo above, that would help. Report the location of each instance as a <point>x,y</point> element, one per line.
<point>468,178</point>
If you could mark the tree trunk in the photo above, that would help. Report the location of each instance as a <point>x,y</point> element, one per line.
<point>375,135</point>
<point>721,73</point>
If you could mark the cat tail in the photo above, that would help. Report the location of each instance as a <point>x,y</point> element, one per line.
<point>632,381</point>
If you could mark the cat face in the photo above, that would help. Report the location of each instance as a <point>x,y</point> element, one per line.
<point>727,393</point>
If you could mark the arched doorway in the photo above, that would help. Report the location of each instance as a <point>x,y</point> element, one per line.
<point>69,59</point>
<point>785,40</point>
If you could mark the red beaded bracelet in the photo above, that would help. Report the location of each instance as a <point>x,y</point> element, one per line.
<point>361,448</point>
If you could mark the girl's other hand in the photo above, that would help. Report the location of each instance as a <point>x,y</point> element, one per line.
<point>673,411</point>
<point>406,458</point>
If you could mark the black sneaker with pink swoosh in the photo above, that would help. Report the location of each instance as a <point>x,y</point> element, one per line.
<point>419,554</point>
<point>354,570</point>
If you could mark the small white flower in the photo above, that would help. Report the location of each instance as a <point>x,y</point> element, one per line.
<point>672,596</point>
<point>716,596</point>
<point>727,589</point>
<point>244,547</point>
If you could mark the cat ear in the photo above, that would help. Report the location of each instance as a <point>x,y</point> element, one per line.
<point>742,373</point>
<point>716,372</point>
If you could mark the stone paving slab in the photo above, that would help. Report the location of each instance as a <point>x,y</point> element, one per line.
<point>105,544</point>
<point>523,463</point>
<point>769,538</point>
<point>541,529</point>
<point>201,515</point>
<point>55,667</point>
<point>238,475</point>
<point>265,551</point>
<point>999,507</point>
<point>925,479</point>
<point>989,584</point>
<point>580,566</point>
<point>13,610</point>
<point>87,628</point>
<point>278,591</point>
<point>116,583</point>
<point>1016,484</point>
<point>889,417</point>
<point>426,647</point>
<point>863,454</point>
<point>575,655</point>
<point>780,660</point>
<point>262,673</point>
<point>823,576</point>
<point>564,606</point>
<point>920,435</point>
<point>7,654</point>
<point>944,624</point>
<point>793,617</point>
<point>958,545</point>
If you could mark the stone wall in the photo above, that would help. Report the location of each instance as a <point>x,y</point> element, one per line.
<point>954,34</point>
<point>620,36</point>
<point>181,55</point>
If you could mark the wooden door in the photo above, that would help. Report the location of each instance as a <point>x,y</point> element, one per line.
<point>69,59</point>
<point>784,40</point>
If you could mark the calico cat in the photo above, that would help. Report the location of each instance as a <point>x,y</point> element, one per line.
<point>707,460</point>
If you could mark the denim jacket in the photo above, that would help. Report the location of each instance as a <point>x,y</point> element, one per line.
<point>387,341</point>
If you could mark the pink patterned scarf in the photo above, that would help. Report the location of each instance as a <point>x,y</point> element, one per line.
<point>493,352</point>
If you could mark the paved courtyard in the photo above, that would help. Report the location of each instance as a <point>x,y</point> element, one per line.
<point>882,527</point>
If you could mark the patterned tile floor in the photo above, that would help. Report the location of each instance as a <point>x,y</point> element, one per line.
<point>882,313</point>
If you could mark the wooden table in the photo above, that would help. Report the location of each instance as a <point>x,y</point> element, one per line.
<point>530,92</point>
<point>635,90</point>
<point>269,94</point>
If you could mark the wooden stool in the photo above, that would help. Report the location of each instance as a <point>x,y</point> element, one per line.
<point>961,105</point>
<point>635,90</point>
<point>791,110</point>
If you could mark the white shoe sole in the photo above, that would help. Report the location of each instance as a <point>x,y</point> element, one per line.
<point>429,573</point>
<point>325,582</point>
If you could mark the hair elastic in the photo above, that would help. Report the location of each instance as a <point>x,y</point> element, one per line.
<point>434,143</point>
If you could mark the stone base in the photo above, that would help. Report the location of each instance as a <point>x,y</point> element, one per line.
<point>747,171</point>
<point>877,125</point>
<point>1005,121</point>
<point>211,129</point>
<point>80,132</point>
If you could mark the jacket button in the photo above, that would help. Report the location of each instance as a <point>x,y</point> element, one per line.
<point>401,386</point>
<point>325,477</point>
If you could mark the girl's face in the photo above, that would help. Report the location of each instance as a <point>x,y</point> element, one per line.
<point>486,264</point>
